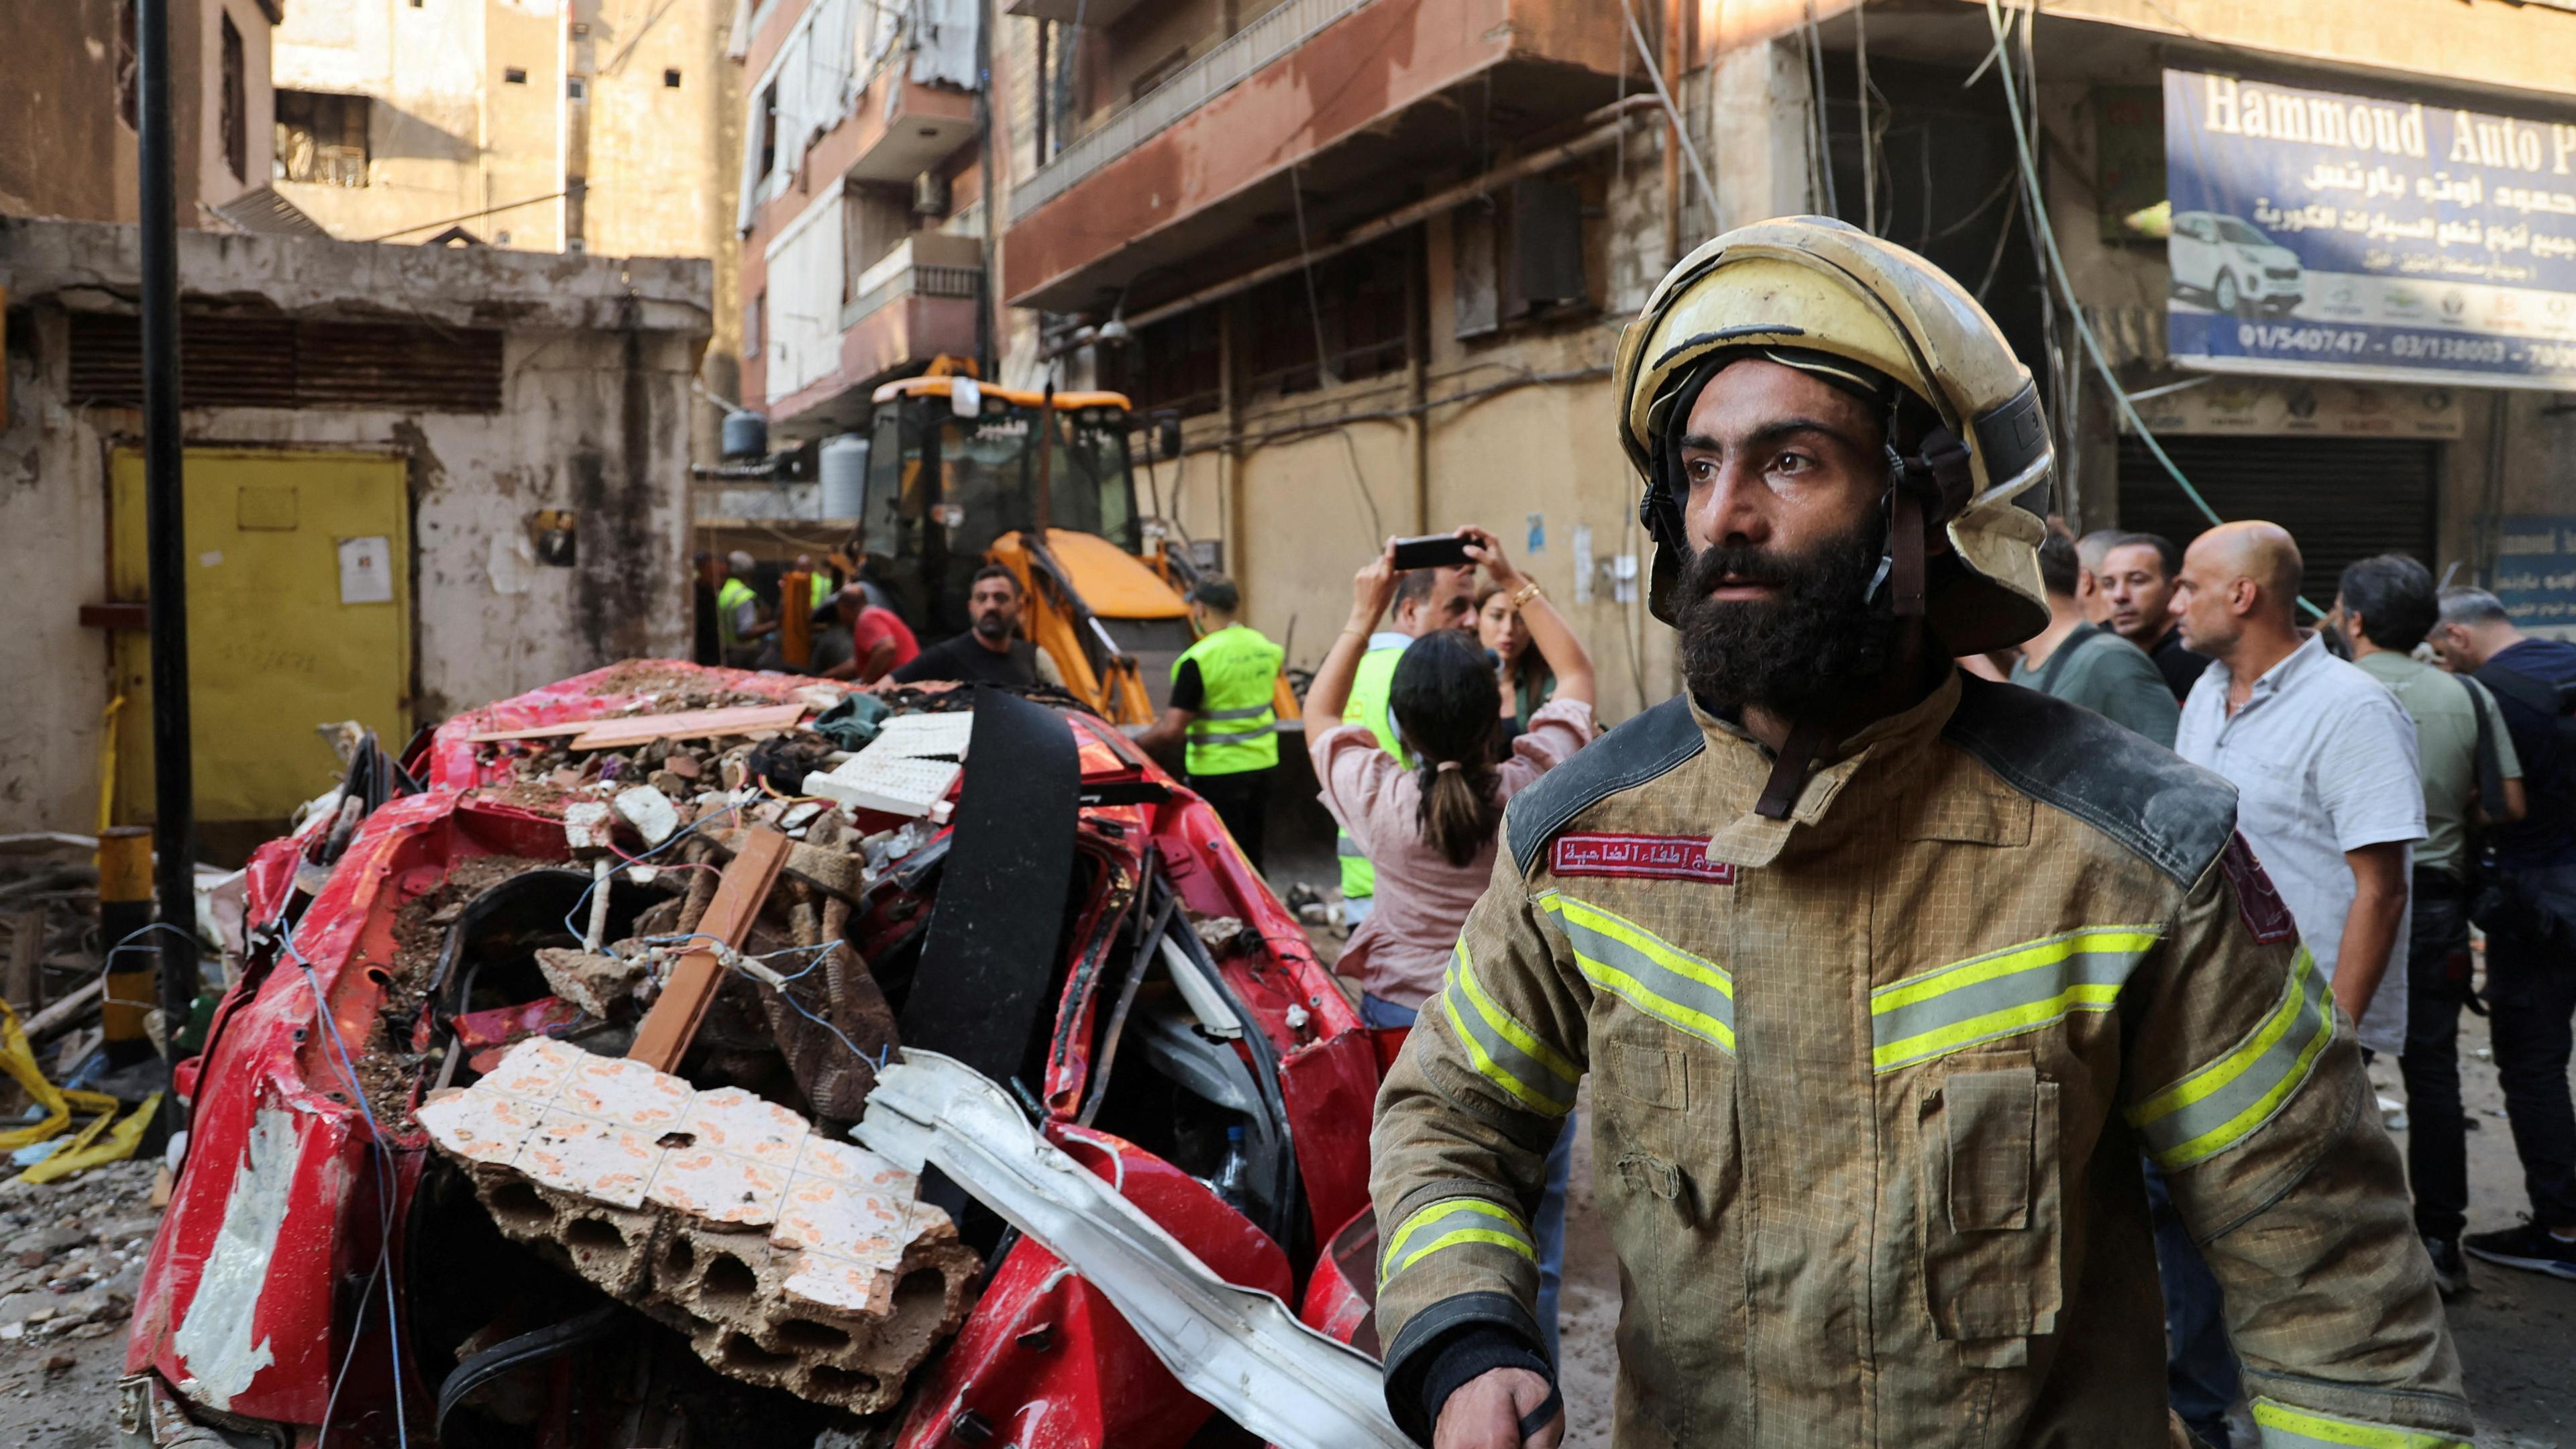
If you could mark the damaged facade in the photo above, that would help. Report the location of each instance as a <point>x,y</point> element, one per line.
<point>563,1057</point>
<point>418,477</point>
<point>1377,255</point>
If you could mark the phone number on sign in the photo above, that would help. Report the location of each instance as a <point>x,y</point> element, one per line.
<point>2416,345</point>
<point>2280,337</point>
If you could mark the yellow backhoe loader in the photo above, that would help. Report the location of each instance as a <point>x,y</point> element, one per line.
<point>957,477</point>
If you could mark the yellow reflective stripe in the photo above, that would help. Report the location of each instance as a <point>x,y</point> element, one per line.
<point>2219,1105</point>
<point>1451,1222</point>
<point>2002,993</point>
<point>1506,1026</point>
<point>1688,992</point>
<point>2282,1427</point>
<point>1481,1052</point>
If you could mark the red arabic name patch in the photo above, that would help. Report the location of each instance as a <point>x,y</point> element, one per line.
<point>2265,914</point>
<point>1648,857</point>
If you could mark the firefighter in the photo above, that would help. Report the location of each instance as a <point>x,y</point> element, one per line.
<point>1885,976</point>
<point>1224,712</point>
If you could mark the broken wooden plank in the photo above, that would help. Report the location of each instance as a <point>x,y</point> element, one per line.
<point>617,732</point>
<point>643,729</point>
<point>673,1022</point>
<point>20,981</point>
<point>64,1012</point>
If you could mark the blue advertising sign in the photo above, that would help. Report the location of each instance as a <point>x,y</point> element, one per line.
<point>2535,574</point>
<point>2323,234</point>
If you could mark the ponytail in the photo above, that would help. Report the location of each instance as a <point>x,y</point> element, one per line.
<point>1458,816</point>
<point>1442,697</point>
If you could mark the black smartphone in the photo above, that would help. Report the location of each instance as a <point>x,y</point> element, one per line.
<point>1431,551</point>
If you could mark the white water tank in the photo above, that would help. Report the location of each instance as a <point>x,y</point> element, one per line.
<point>845,476</point>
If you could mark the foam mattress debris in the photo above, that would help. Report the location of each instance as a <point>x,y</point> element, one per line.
<point>789,1259</point>
<point>908,769</point>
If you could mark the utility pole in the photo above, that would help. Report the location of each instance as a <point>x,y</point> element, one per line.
<point>173,776</point>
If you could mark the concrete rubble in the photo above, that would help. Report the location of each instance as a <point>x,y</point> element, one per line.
<point>71,1256</point>
<point>787,1258</point>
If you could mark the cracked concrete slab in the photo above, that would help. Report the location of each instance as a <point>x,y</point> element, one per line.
<point>788,1259</point>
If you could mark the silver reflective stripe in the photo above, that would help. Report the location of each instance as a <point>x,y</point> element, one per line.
<point>1214,732</point>
<point>1347,848</point>
<point>2281,1427</point>
<point>2222,1103</point>
<point>1256,711</point>
<point>2018,989</point>
<point>1450,1223</point>
<point>1505,1051</point>
<point>1690,993</point>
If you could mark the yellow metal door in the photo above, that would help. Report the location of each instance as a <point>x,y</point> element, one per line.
<point>299,614</point>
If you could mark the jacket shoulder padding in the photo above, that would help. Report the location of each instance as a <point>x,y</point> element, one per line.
<point>1637,751</point>
<point>2175,814</point>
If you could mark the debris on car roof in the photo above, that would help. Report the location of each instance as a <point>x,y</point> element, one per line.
<point>537,1079</point>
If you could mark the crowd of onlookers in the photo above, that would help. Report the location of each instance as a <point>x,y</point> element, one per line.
<point>2405,768</point>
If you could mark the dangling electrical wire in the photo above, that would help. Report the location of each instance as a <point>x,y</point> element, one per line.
<point>2056,267</point>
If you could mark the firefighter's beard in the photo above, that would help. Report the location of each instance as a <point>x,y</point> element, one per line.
<point>1818,639</point>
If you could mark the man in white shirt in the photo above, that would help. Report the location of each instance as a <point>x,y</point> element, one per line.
<point>2323,760</point>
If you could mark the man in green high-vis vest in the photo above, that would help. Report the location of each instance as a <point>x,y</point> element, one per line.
<point>1222,711</point>
<point>1425,599</point>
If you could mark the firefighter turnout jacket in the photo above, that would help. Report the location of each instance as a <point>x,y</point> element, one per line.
<point>1871,1086</point>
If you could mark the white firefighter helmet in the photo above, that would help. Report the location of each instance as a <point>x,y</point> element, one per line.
<point>1968,449</point>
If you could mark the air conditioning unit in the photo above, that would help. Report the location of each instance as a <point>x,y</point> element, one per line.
<point>930,194</point>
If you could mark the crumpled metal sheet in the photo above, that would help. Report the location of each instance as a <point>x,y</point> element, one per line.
<point>1241,1350</point>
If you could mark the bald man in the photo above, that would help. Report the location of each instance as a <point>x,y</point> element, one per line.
<point>2323,760</point>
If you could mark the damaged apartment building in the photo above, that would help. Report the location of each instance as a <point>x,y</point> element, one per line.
<point>417,477</point>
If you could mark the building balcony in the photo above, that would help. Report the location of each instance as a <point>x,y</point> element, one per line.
<point>840,93</point>
<point>1360,100</point>
<point>826,355</point>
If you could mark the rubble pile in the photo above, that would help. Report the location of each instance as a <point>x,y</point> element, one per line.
<point>787,1258</point>
<point>72,1259</point>
<point>644,1054</point>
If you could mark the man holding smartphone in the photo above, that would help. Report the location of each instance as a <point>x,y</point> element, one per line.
<point>1437,591</point>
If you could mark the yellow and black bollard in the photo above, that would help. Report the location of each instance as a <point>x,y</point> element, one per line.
<point>125,907</point>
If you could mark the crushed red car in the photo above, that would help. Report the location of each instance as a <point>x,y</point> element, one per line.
<point>720,904</point>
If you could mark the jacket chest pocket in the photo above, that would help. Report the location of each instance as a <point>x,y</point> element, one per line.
<point>1990,1212</point>
<point>1666,1170</point>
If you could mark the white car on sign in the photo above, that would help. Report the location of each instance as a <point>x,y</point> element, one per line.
<point>2231,263</point>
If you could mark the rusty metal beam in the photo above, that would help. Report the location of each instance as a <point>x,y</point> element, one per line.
<point>673,1022</point>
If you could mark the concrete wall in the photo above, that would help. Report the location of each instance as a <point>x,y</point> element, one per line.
<point>64,149</point>
<point>595,417</point>
<point>450,136</point>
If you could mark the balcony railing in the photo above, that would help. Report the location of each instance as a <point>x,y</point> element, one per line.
<point>1203,80</point>
<point>914,281</point>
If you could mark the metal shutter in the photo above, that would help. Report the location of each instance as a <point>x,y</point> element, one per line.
<point>2342,498</point>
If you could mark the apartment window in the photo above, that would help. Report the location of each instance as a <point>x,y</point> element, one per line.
<point>1358,305</point>
<point>573,88</point>
<point>235,115</point>
<point>769,130</point>
<point>321,138</point>
<point>1176,363</point>
<point>126,54</point>
<point>752,317</point>
<point>513,75</point>
<point>671,78</point>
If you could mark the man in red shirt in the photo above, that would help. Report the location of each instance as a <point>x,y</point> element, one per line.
<point>866,643</point>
